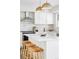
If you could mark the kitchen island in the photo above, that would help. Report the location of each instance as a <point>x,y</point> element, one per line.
<point>49,43</point>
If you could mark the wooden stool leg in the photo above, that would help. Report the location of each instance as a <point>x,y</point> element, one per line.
<point>30,54</point>
<point>33,55</point>
<point>39,55</point>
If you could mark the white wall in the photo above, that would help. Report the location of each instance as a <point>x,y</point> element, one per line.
<point>27,8</point>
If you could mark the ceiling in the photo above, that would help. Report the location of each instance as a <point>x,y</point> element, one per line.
<point>32,4</point>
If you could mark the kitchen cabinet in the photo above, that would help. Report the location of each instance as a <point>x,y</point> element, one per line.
<point>43,18</point>
<point>48,43</point>
<point>26,27</point>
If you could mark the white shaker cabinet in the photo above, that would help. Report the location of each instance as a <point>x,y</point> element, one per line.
<point>39,18</point>
<point>43,18</point>
<point>52,51</point>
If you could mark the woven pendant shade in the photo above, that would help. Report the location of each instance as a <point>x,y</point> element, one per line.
<point>39,8</point>
<point>46,6</point>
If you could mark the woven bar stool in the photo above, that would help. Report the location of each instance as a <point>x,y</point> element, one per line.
<point>29,44</point>
<point>25,51</point>
<point>31,51</point>
<point>36,52</point>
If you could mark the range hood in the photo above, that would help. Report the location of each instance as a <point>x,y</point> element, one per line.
<point>27,15</point>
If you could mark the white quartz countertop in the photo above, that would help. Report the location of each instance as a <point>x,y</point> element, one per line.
<point>37,37</point>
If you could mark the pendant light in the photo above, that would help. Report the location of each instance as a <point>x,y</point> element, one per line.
<point>46,5</point>
<point>39,8</point>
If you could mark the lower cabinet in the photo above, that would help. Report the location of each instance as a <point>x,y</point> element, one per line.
<point>51,48</point>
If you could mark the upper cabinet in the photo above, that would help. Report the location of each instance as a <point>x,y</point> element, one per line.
<point>43,18</point>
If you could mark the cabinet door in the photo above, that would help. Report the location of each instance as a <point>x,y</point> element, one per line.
<point>49,18</point>
<point>52,49</point>
<point>37,18</point>
<point>43,18</point>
